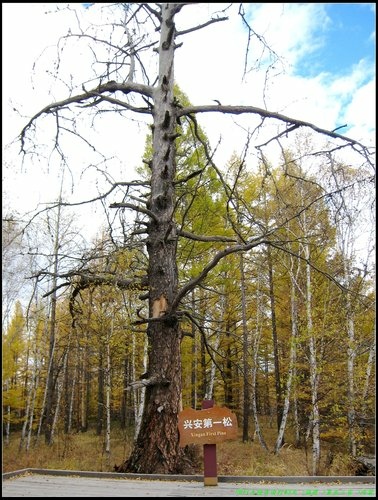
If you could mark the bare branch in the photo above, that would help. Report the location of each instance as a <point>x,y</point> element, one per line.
<point>200,26</point>
<point>137,208</point>
<point>108,87</point>
<point>87,279</point>
<point>238,110</point>
<point>276,137</point>
<point>188,177</point>
<point>197,237</point>
<point>218,257</point>
<point>148,7</point>
<point>155,380</point>
<point>97,198</point>
<point>251,33</point>
<point>123,104</point>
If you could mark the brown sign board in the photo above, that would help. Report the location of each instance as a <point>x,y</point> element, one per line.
<point>210,426</point>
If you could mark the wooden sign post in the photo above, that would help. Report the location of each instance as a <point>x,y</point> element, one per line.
<point>210,475</point>
<point>209,426</point>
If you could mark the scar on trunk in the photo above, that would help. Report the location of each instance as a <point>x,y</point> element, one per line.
<point>159,307</point>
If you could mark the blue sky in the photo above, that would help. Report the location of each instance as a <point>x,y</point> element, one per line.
<point>346,39</point>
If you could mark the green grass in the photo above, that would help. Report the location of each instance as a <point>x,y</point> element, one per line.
<point>85,452</point>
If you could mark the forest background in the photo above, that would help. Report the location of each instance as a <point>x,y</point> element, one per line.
<point>278,337</point>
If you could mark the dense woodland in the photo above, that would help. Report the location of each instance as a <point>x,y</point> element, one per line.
<point>258,327</point>
<point>276,312</point>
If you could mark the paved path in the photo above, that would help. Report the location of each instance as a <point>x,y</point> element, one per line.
<point>48,485</point>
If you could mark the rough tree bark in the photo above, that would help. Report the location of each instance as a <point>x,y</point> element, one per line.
<point>163,379</point>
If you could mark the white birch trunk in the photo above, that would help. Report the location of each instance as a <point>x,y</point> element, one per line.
<point>31,418</point>
<point>35,380</point>
<point>59,397</point>
<point>346,244</point>
<point>139,405</point>
<point>297,427</point>
<point>29,411</point>
<point>246,341</point>
<point>44,393</point>
<point>49,410</point>
<point>292,358</point>
<point>107,396</point>
<point>7,425</point>
<point>7,418</point>
<point>351,352</point>
<point>254,373</point>
<point>314,378</point>
<point>83,390</point>
<point>70,410</point>
<point>211,381</point>
<point>369,368</point>
<point>194,359</point>
<point>26,420</point>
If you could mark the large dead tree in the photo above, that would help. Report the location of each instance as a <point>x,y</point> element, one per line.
<point>157,448</point>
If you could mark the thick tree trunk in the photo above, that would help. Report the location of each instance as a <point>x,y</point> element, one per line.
<point>162,404</point>
<point>162,453</point>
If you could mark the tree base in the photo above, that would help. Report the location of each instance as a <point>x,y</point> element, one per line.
<point>187,462</point>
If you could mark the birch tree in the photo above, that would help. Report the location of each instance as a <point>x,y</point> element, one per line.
<point>293,348</point>
<point>136,29</point>
<point>348,212</point>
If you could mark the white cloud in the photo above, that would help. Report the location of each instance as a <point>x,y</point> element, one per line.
<point>292,29</point>
<point>345,85</point>
<point>361,112</point>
